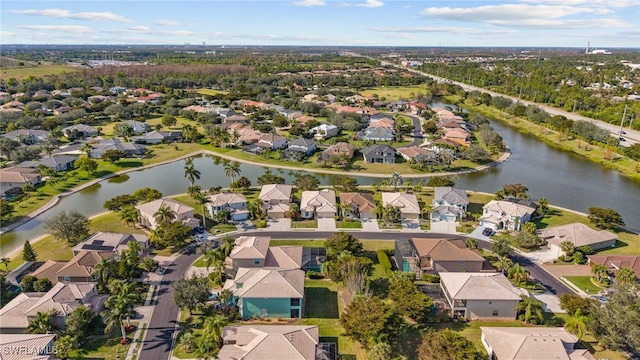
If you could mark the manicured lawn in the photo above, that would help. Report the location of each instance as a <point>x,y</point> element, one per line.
<point>212,92</point>
<point>107,348</point>
<point>48,248</point>
<point>110,222</point>
<point>222,228</point>
<point>201,262</point>
<point>585,284</point>
<point>304,224</point>
<point>392,93</point>
<point>349,224</point>
<point>307,243</point>
<point>472,332</point>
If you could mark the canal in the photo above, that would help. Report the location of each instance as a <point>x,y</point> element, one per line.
<point>565,179</point>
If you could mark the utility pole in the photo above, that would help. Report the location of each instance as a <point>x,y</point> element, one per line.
<point>624,113</point>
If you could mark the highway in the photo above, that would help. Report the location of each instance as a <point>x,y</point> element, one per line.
<point>161,331</point>
<point>630,136</point>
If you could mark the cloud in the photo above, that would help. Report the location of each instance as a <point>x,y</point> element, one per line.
<point>310,3</point>
<point>590,3</point>
<point>139,29</point>
<point>177,33</point>
<point>498,13</point>
<point>372,4</point>
<point>167,23</point>
<point>6,34</point>
<point>76,29</point>
<point>446,29</point>
<point>66,14</point>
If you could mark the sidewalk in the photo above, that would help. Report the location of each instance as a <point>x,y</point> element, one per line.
<point>146,311</point>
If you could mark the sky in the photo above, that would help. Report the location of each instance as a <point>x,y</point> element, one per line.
<point>512,23</point>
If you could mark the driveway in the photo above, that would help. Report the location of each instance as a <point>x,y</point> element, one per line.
<point>370,225</point>
<point>409,224</point>
<point>542,256</point>
<point>445,227</point>
<point>551,302</point>
<point>477,234</point>
<point>283,224</point>
<point>328,224</point>
<point>244,225</point>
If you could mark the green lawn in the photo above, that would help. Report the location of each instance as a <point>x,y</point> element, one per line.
<point>349,224</point>
<point>23,72</point>
<point>304,224</point>
<point>106,347</point>
<point>585,284</point>
<point>201,262</point>
<point>211,92</point>
<point>110,222</point>
<point>391,93</point>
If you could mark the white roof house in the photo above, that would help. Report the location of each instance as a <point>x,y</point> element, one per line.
<point>147,212</point>
<point>318,203</point>
<point>510,343</point>
<point>407,203</point>
<point>503,214</point>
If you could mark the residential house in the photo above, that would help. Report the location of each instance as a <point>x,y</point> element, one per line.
<point>64,298</point>
<point>77,270</point>
<point>236,119</point>
<point>422,256</point>
<point>416,108</point>
<point>9,192</point>
<point>248,252</point>
<point>377,133</point>
<point>511,343</point>
<point>234,203</point>
<point>413,153</point>
<point>407,203</point>
<point>117,90</point>
<point>299,148</point>
<point>480,295</point>
<point>458,135</point>
<point>293,342</point>
<point>504,214</point>
<point>128,148</point>
<point>147,211</point>
<point>138,126</point>
<point>449,204</point>
<point>339,149</point>
<point>613,263</point>
<point>324,131</point>
<point>379,154</point>
<point>271,293</point>
<point>318,204</point>
<point>27,136</point>
<point>276,199</point>
<point>55,162</point>
<point>244,134</point>
<point>110,242</point>
<point>79,131</point>
<point>27,346</point>
<point>361,205</point>
<point>17,177</point>
<point>384,122</point>
<point>579,235</point>
<point>158,137</point>
<point>272,141</point>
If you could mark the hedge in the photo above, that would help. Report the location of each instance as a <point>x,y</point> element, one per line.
<point>383,259</point>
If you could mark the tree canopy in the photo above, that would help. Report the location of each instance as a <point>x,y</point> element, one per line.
<point>71,226</point>
<point>447,344</point>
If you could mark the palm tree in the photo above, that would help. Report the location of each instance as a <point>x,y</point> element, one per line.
<point>224,297</point>
<point>128,214</point>
<point>530,310</point>
<point>599,273</point>
<point>344,210</point>
<point>228,245</point>
<point>625,276</point>
<point>188,340</point>
<point>503,264</point>
<point>44,323</point>
<point>190,172</point>
<point>577,324</point>
<point>395,180</point>
<point>201,200</point>
<point>213,326</point>
<point>215,258</point>
<point>113,317</point>
<point>471,243</point>
<point>518,274</point>
<point>567,248</point>
<point>86,148</point>
<point>164,215</point>
<point>232,170</point>
<point>5,261</point>
<point>103,272</point>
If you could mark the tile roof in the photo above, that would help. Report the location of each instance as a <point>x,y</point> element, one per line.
<point>533,343</point>
<point>577,233</point>
<point>284,257</point>
<point>479,286</point>
<point>275,192</point>
<point>48,270</point>
<point>267,283</point>
<point>250,247</point>
<point>63,297</point>
<point>445,250</point>
<point>451,195</point>
<point>110,242</point>
<point>412,151</point>
<point>38,346</point>
<point>408,203</point>
<point>82,264</point>
<point>615,262</point>
<point>509,208</point>
<point>266,342</point>
<point>364,201</point>
<point>153,206</point>
<point>318,200</point>
<point>226,198</point>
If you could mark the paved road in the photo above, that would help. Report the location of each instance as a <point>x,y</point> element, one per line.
<point>160,330</point>
<point>631,136</point>
<point>158,339</point>
<point>417,131</point>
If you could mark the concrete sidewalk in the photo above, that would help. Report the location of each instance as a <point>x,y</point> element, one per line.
<point>146,311</point>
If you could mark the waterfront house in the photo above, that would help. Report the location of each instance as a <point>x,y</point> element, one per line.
<point>318,204</point>
<point>324,131</point>
<point>361,205</point>
<point>339,149</point>
<point>234,203</point>
<point>449,204</point>
<point>422,256</point>
<point>276,199</point>
<point>407,203</point>
<point>379,154</point>
<point>579,235</point>
<point>147,211</point>
<point>504,214</point>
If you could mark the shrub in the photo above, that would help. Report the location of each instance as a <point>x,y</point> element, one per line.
<point>431,278</point>
<point>383,259</point>
<point>579,257</point>
<point>261,224</point>
<point>314,275</point>
<point>586,250</point>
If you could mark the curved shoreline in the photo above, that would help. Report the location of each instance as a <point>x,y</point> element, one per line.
<point>56,198</point>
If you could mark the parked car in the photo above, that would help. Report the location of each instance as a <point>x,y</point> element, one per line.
<point>487,232</point>
<point>623,139</point>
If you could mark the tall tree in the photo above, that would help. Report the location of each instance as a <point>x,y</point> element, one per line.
<point>78,322</point>
<point>232,170</point>
<point>164,215</point>
<point>577,324</point>
<point>530,310</point>
<point>501,247</point>
<point>616,323</point>
<point>605,218</point>
<point>189,293</point>
<point>5,261</point>
<point>395,180</point>
<point>340,242</point>
<point>369,317</point>
<point>625,276</point>
<point>44,323</point>
<point>71,226</point>
<point>28,254</point>
<point>447,344</point>
<point>190,172</point>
